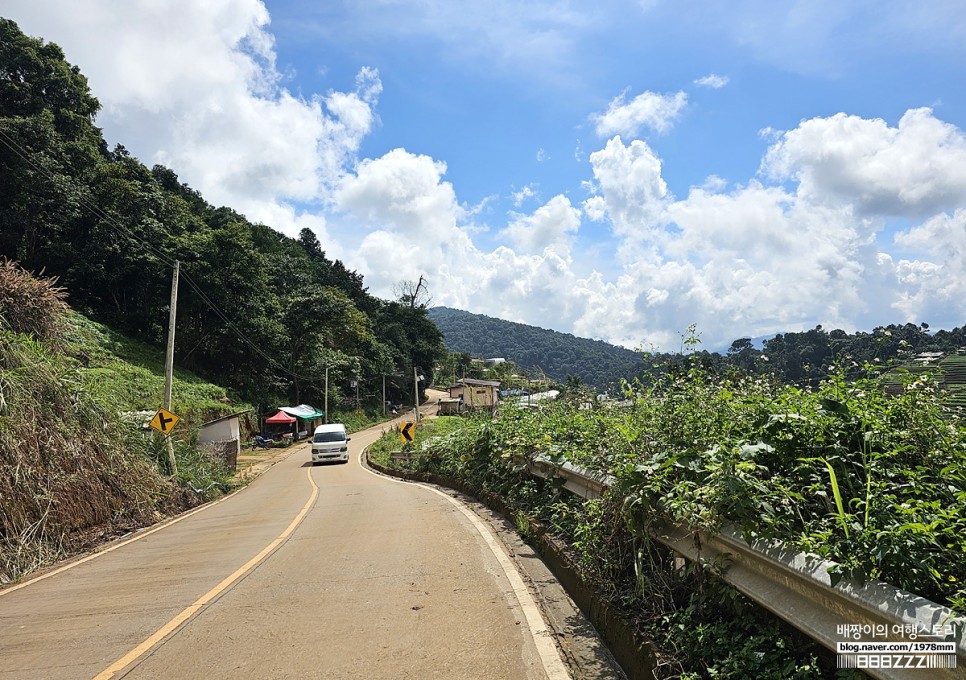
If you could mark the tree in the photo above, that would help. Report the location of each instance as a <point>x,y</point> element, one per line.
<point>325,330</point>
<point>740,345</point>
<point>311,244</point>
<point>414,294</point>
<point>743,354</point>
<point>49,150</point>
<point>35,77</point>
<point>413,339</point>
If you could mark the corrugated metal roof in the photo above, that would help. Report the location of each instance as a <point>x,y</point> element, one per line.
<point>233,415</point>
<point>303,411</point>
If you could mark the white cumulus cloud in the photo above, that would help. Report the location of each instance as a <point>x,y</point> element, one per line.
<point>811,248</point>
<point>632,190</point>
<point>935,285</point>
<point>529,191</point>
<point>915,169</point>
<point>713,81</point>
<point>402,190</point>
<point>655,111</point>
<point>551,226</point>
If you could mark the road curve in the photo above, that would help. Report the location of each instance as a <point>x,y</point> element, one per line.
<point>310,572</point>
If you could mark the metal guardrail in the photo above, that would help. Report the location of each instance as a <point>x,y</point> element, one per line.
<point>797,587</point>
<point>400,456</point>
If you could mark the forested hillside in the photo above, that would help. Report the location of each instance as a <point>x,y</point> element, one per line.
<point>259,312</point>
<point>796,358</point>
<point>558,355</point>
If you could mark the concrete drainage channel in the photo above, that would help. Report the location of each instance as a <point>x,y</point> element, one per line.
<point>567,602</point>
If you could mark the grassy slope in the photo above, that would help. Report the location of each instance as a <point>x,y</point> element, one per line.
<point>131,374</point>
<point>72,471</point>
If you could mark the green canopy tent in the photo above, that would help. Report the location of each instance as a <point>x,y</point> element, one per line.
<point>308,418</point>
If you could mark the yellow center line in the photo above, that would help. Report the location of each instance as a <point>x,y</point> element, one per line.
<point>172,625</point>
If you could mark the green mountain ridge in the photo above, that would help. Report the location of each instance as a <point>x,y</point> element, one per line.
<point>803,358</point>
<point>535,349</point>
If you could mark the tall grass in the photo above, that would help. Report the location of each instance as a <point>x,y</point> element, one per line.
<point>73,469</point>
<point>65,463</point>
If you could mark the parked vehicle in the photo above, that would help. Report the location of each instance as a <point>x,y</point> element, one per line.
<point>330,443</point>
<point>262,442</point>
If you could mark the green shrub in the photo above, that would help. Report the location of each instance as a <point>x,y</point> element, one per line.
<point>874,482</point>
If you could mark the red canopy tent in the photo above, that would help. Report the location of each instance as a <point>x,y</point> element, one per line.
<point>281,418</point>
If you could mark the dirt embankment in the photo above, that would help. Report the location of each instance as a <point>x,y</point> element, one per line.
<point>68,478</point>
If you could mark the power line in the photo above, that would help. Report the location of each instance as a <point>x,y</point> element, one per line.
<point>82,200</point>
<point>11,144</point>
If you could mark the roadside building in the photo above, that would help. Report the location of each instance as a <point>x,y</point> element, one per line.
<point>476,394</point>
<point>450,406</point>
<point>221,438</point>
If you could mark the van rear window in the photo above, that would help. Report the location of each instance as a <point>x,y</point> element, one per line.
<point>328,437</point>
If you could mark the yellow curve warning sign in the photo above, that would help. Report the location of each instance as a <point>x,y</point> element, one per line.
<point>406,432</point>
<point>164,421</point>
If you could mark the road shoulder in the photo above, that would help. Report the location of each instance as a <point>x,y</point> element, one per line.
<point>578,642</point>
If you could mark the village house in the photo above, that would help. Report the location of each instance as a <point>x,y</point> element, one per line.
<point>470,394</point>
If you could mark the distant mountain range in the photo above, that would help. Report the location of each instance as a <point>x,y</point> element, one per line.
<point>558,355</point>
<point>796,358</point>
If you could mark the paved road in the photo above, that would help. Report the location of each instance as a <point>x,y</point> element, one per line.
<point>310,572</point>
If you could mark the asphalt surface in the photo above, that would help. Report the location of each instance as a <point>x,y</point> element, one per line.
<point>310,572</point>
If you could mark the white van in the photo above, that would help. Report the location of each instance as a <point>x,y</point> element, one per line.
<point>330,443</point>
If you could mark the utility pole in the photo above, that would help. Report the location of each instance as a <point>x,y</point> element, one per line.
<point>415,397</point>
<point>326,395</point>
<point>383,395</point>
<point>169,362</point>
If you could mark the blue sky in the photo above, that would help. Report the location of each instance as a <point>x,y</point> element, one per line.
<point>619,172</point>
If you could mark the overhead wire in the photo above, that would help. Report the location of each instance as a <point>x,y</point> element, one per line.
<point>82,200</point>
<point>11,144</point>
<point>244,337</point>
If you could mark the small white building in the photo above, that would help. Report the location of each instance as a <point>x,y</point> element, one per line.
<point>222,437</point>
